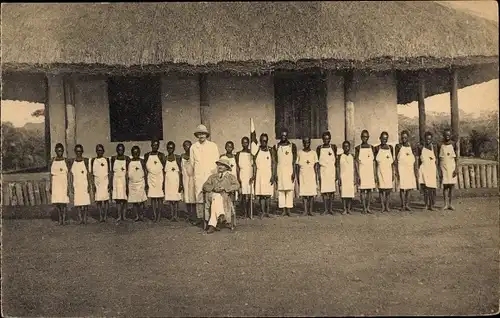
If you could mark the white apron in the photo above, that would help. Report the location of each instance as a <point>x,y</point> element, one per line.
<point>119,180</point>
<point>188,181</point>
<point>347,189</point>
<point>428,171</point>
<point>203,158</point>
<point>285,168</point>
<point>245,163</point>
<point>263,173</point>
<point>447,163</point>
<point>406,168</point>
<point>136,183</point>
<point>59,186</point>
<point>366,173</point>
<point>384,169</point>
<point>100,171</point>
<point>80,183</point>
<point>327,170</point>
<point>172,181</point>
<point>155,176</point>
<point>307,174</point>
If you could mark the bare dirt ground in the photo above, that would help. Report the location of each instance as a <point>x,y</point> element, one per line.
<point>420,263</point>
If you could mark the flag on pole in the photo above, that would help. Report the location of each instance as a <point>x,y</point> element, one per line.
<point>253,138</point>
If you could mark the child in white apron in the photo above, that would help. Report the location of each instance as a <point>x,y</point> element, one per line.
<point>244,164</point>
<point>81,183</point>
<point>229,147</point>
<point>428,171</point>
<point>264,175</point>
<point>286,154</point>
<point>327,155</point>
<point>307,164</point>
<point>59,181</point>
<point>155,161</point>
<point>365,170</point>
<point>137,182</point>
<point>345,166</point>
<point>405,170</point>
<point>384,158</point>
<point>173,180</point>
<point>448,164</point>
<point>189,195</point>
<point>101,186</point>
<point>119,189</point>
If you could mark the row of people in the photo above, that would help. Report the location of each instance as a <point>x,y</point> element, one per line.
<point>172,178</point>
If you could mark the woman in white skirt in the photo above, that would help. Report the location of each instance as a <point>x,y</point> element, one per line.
<point>173,180</point>
<point>81,183</point>
<point>264,175</point>
<point>406,170</point>
<point>137,182</point>
<point>155,162</point>
<point>346,173</point>
<point>119,177</point>
<point>427,172</point>
<point>307,166</point>
<point>448,164</point>
<point>187,171</point>
<point>365,170</point>
<point>327,156</point>
<point>59,181</point>
<point>244,170</point>
<point>100,169</point>
<point>384,158</point>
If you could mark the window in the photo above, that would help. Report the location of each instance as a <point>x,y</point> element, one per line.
<point>135,109</point>
<point>300,104</point>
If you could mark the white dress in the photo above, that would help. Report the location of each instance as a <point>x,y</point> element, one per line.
<point>347,188</point>
<point>188,181</point>
<point>307,174</point>
<point>264,172</point>
<point>384,169</point>
<point>245,163</point>
<point>327,170</point>
<point>172,181</point>
<point>427,170</point>
<point>136,183</point>
<point>203,158</point>
<point>285,168</point>
<point>447,163</point>
<point>155,176</point>
<point>366,172</point>
<point>119,180</point>
<point>100,171</point>
<point>406,168</point>
<point>80,183</point>
<point>59,186</point>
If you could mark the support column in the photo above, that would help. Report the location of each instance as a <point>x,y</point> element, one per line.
<point>455,120</point>
<point>421,107</point>
<point>46,113</point>
<point>69,99</point>
<point>349,128</point>
<point>204,102</point>
<point>57,109</point>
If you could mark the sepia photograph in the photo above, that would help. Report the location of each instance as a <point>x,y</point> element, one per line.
<point>250,159</point>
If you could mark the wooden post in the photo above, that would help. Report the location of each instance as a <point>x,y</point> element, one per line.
<point>495,176</point>
<point>472,174</point>
<point>46,113</point>
<point>57,110</point>
<point>421,107</point>
<point>467,184</point>
<point>455,121</point>
<point>349,128</point>
<point>489,171</point>
<point>478,176</point>
<point>69,100</point>
<point>204,101</point>
<point>460,177</point>
<point>483,176</point>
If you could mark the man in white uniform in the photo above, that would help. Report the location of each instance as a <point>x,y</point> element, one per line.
<point>203,157</point>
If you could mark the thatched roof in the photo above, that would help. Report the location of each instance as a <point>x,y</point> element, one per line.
<point>242,36</point>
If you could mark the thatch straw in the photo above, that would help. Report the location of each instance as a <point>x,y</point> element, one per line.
<point>263,33</point>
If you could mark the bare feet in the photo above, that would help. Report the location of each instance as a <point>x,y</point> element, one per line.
<point>210,230</point>
<point>344,212</point>
<point>446,207</point>
<point>451,208</point>
<point>407,208</point>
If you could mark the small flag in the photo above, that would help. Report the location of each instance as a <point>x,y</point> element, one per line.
<point>253,138</point>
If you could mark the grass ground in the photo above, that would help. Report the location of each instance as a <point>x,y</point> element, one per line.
<point>420,263</point>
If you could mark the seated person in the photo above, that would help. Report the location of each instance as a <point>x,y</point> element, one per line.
<point>218,189</point>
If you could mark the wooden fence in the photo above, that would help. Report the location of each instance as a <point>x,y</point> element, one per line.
<point>32,189</point>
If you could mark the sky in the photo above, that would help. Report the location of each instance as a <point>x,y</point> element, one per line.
<point>473,99</point>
